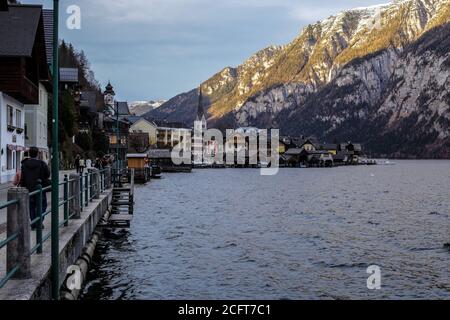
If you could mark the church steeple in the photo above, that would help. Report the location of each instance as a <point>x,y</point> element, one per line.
<point>200,112</point>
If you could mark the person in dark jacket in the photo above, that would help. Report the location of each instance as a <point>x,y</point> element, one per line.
<point>34,170</point>
<point>77,163</point>
<point>98,164</point>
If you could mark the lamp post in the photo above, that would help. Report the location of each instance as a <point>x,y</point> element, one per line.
<point>117,143</point>
<point>55,160</point>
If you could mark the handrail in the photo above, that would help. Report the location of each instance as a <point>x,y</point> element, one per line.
<point>88,184</point>
<point>8,203</point>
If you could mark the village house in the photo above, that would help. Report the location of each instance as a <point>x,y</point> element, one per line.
<point>331,148</point>
<point>307,151</point>
<point>114,115</point>
<point>309,144</point>
<point>169,137</point>
<point>24,79</point>
<point>340,159</point>
<point>36,127</point>
<point>291,158</point>
<point>36,116</point>
<point>142,125</point>
<point>283,145</point>
<point>353,151</point>
<point>163,159</point>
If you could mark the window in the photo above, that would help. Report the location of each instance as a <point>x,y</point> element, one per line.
<point>18,118</point>
<point>10,116</point>
<point>9,160</point>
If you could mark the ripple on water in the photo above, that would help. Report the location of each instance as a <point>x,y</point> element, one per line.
<point>302,234</point>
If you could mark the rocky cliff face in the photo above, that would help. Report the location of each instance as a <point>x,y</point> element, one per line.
<point>378,75</point>
<point>397,101</point>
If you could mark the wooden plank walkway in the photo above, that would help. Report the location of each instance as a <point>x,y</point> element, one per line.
<point>122,205</point>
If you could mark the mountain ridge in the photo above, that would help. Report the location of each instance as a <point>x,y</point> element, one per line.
<point>272,87</point>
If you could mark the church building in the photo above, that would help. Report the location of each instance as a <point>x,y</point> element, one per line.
<point>200,127</point>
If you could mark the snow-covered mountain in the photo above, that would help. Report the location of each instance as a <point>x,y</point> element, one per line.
<point>139,108</point>
<point>352,76</point>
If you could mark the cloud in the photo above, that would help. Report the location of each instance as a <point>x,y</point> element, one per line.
<point>175,12</point>
<point>145,11</point>
<point>159,48</point>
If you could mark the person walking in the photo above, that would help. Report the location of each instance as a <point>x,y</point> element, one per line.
<point>82,165</point>
<point>103,161</point>
<point>77,163</point>
<point>88,163</point>
<point>98,164</point>
<point>18,176</point>
<point>35,171</point>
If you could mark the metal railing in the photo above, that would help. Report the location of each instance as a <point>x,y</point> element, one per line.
<point>5,242</point>
<point>118,170</point>
<point>91,185</point>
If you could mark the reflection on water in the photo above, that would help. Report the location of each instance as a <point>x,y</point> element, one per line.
<point>302,234</point>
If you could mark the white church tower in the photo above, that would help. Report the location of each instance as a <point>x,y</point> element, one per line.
<point>200,127</point>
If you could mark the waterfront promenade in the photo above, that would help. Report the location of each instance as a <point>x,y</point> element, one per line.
<point>72,239</point>
<point>4,195</point>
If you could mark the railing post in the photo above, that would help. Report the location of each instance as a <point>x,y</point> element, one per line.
<point>108,177</point>
<point>18,250</point>
<point>132,179</point>
<point>86,189</point>
<point>38,205</point>
<point>66,201</point>
<point>81,192</point>
<point>96,184</point>
<point>90,185</point>
<point>102,181</point>
<point>74,203</point>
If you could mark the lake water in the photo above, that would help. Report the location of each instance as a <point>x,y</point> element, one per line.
<point>302,234</point>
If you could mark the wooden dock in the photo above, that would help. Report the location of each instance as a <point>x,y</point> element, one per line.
<point>122,205</point>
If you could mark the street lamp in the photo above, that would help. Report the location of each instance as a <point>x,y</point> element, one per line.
<point>55,158</point>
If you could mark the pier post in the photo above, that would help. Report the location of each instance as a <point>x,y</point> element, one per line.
<point>132,180</point>
<point>74,204</point>
<point>18,222</point>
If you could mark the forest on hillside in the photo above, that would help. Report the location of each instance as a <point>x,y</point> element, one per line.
<point>91,143</point>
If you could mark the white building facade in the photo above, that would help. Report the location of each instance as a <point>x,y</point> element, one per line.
<point>36,127</point>
<point>12,139</point>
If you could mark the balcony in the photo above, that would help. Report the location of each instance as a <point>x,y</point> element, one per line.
<point>21,89</point>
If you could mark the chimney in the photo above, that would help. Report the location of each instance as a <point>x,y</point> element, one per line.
<point>3,5</point>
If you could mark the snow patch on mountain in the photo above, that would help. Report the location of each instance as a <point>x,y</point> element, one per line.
<point>139,108</point>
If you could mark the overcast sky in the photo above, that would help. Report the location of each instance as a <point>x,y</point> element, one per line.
<point>155,49</point>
